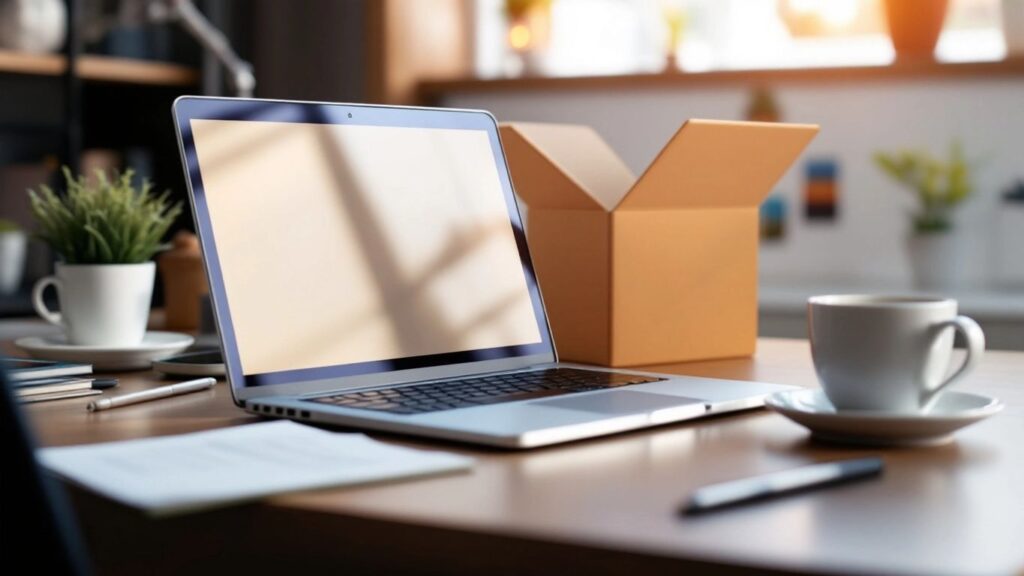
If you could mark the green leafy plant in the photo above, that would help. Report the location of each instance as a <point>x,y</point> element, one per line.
<point>939,186</point>
<point>8,226</point>
<point>107,221</point>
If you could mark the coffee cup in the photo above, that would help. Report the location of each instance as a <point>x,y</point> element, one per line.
<point>888,354</point>
<point>101,304</point>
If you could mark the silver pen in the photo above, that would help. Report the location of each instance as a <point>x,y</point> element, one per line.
<point>153,394</point>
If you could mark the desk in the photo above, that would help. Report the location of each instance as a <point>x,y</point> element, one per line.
<point>603,506</point>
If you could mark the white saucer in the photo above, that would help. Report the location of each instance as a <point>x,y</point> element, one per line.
<point>952,411</point>
<point>154,346</point>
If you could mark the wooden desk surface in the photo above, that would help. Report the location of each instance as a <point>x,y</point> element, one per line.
<point>605,505</point>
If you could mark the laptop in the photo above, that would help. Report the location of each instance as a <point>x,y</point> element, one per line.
<point>368,268</point>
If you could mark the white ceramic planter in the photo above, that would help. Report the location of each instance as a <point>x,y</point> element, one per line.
<point>936,261</point>
<point>1010,245</point>
<point>1013,26</point>
<point>101,304</point>
<point>12,261</point>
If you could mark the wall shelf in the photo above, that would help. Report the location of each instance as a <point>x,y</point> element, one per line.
<point>902,70</point>
<point>100,69</point>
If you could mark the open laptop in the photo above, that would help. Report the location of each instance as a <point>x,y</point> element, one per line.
<point>368,268</point>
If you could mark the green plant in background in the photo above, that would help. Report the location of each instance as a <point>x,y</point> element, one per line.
<point>8,226</point>
<point>107,221</point>
<point>938,185</point>
<point>674,17</point>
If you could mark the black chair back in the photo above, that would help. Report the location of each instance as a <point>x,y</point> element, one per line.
<point>38,529</point>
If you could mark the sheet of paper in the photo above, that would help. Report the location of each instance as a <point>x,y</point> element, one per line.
<point>175,474</point>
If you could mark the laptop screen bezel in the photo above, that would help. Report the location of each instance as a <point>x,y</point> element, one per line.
<point>343,376</point>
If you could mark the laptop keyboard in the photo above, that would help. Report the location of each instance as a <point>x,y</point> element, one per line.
<point>481,390</point>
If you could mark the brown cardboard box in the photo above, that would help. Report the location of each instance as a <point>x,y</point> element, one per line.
<point>655,270</point>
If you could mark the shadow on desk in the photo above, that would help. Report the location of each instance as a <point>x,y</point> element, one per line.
<point>234,541</point>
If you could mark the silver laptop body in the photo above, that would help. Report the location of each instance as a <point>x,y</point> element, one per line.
<point>359,256</point>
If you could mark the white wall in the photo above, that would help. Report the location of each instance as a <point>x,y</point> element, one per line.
<point>865,246</point>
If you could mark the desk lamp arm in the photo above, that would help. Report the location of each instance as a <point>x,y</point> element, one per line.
<point>209,37</point>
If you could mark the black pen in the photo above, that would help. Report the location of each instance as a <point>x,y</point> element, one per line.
<point>104,383</point>
<point>775,484</point>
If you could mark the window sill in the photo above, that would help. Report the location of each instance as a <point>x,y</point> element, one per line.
<point>432,91</point>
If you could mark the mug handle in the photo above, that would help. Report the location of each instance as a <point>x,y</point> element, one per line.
<point>40,306</point>
<point>975,339</point>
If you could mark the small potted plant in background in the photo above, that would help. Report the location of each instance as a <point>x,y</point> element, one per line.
<point>12,257</point>
<point>673,15</point>
<point>938,187</point>
<point>915,27</point>
<point>105,233</point>
<point>529,34</point>
<point>1009,263</point>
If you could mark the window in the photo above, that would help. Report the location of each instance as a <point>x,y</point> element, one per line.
<point>593,37</point>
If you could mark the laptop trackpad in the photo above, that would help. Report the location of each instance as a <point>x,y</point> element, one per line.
<point>620,402</point>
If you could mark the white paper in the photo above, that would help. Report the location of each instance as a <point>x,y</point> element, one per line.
<point>175,474</point>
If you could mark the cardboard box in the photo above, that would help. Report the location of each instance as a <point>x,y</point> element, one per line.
<point>656,270</point>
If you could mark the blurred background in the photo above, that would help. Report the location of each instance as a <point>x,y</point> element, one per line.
<point>915,183</point>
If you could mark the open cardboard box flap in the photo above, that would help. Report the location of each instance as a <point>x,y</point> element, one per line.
<point>706,164</point>
<point>657,269</point>
<point>572,168</point>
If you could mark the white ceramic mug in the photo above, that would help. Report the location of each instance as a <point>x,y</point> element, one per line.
<point>101,304</point>
<point>888,354</point>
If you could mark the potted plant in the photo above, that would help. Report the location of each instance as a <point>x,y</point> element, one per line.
<point>915,26</point>
<point>1010,265</point>
<point>105,232</point>
<point>938,187</point>
<point>674,17</point>
<point>12,257</point>
<point>1013,27</point>
<point>529,33</point>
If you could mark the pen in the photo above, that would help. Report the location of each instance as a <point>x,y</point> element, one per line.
<point>104,383</point>
<point>153,394</point>
<point>779,483</point>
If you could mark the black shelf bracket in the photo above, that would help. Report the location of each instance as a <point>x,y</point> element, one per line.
<point>73,89</point>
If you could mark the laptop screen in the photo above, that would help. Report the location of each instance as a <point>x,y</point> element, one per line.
<point>349,248</point>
